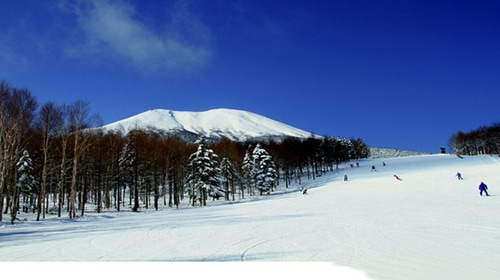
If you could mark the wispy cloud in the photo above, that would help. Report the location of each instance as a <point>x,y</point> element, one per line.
<point>115,29</point>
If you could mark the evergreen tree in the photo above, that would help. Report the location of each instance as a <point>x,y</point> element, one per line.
<point>229,175</point>
<point>248,171</point>
<point>265,170</point>
<point>203,177</point>
<point>26,184</point>
<point>343,150</point>
<point>361,149</point>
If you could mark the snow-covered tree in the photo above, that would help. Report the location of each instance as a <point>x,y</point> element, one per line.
<point>248,167</point>
<point>203,177</point>
<point>265,173</point>
<point>229,175</point>
<point>26,183</point>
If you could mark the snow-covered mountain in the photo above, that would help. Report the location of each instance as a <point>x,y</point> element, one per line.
<point>236,125</point>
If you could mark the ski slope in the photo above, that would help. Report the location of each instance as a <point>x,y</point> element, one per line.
<point>427,226</point>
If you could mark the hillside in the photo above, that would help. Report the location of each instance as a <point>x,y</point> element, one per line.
<point>388,153</point>
<point>427,226</point>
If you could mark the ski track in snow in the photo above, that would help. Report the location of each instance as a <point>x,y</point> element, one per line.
<point>427,226</point>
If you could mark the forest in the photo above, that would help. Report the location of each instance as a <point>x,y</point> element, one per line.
<point>55,160</point>
<point>483,140</point>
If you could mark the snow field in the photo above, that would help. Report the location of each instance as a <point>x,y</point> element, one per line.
<point>427,226</point>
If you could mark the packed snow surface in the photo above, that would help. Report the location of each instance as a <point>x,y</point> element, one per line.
<point>429,225</point>
<point>233,124</point>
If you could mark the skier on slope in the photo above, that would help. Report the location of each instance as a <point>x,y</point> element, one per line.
<point>459,176</point>
<point>483,188</point>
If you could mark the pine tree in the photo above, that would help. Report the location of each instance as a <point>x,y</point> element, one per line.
<point>26,184</point>
<point>343,149</point>
<point>203,177</point>
<point>361,149</point>
<point>229,175</point>
<point>265,170</point>
<point>248,170</point>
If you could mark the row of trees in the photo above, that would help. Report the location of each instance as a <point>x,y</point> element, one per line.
<point>52,161</point>
<point>483,140</point>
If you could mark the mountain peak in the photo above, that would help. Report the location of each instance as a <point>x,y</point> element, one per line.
<point>236,125</point>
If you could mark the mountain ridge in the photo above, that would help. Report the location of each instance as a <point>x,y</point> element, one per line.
<point>237,125</point>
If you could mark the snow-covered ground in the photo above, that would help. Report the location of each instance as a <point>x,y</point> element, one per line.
<point>427,226</point>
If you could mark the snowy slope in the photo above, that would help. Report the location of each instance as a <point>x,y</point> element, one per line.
<point>234,124</point>
<point>427,226</point>
<point>388,152</point>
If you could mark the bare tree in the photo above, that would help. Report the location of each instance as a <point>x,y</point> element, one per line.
<point>79,122</point>
<point>5,96</point>
<point>63,160</point>
<point>17,107</point>
<point>50,122</point>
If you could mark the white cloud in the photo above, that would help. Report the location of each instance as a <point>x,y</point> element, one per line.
<point>114,29</point>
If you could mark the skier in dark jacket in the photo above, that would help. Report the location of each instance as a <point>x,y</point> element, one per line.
<point>483,188</point>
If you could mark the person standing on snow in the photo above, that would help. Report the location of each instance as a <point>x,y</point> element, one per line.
<point>483,188</point>
<point>459,176</point>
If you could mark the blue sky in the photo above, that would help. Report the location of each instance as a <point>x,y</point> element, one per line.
<point>398,74</point>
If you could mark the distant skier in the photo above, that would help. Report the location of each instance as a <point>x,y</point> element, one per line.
<point>373,168</point>
<point>383,163</point>
<point>345,177</point>
<point>303,190</point>
<point>459,176</point>
<point>397,178</point>
<point>483,188</point>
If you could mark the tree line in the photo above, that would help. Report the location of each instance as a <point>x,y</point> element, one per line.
<point>483,140</point>
<point>55,160</point>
